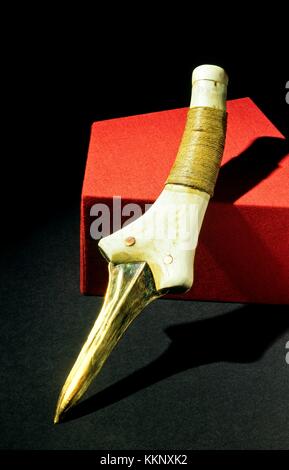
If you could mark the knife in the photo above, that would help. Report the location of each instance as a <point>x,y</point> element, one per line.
<point>154,255</point>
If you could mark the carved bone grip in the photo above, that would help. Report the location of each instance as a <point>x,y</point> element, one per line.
<point>198,160</point>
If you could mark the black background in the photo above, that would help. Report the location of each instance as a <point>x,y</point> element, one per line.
<point>68,69</point>
<point>65,71</point>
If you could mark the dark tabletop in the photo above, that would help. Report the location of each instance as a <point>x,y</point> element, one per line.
<point>193,375</point>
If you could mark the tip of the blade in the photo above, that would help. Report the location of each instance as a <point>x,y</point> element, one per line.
<point>59,415</point>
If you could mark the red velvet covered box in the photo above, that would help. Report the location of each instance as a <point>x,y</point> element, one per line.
<point>243,251</point>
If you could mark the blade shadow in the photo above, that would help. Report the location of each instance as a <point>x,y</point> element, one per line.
<point>243,172</point>
<point>242,336</point>
<point>239,337</point>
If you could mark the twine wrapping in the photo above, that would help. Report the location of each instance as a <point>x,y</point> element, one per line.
<point>199,157</point>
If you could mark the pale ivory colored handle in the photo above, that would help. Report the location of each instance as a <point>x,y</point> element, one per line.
<point>209,87</point>
<point>201,149</point>
<point>166,235</point>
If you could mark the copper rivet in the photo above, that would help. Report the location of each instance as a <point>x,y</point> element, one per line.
<point>129,241</point>
<point>168,259</point>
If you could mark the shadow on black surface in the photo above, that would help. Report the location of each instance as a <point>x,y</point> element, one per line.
<point>242,336</point>
<point>246,170</point>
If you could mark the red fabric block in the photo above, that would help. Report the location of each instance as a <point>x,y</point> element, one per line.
<point>243,251</point>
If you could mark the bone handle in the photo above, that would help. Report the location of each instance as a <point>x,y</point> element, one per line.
<point>209,87</point>
<point>166,235</point>
<point>201,149</point>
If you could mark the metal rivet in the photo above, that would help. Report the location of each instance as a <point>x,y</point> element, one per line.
<point>168,259</point>
<point>129,241</point>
